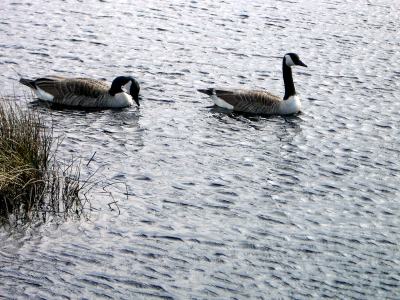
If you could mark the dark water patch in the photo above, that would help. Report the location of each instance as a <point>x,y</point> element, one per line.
<point>182,204</point>
<point>172,238</point>
<point>40,54</point>
<point>270,219</point>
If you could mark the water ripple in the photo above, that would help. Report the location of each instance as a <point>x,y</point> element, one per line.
<point>215,204</point>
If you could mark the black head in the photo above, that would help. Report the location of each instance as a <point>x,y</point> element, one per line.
<point>292,59</point>
<point>129,83</point>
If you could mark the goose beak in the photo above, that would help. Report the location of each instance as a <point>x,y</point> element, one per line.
<point>300,63</point>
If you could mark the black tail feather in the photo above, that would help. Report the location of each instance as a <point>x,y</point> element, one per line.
<point>206,91</point>
<point>28,82</point>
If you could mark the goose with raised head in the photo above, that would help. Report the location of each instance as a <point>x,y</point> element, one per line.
<point>258,101</point>
<point>86,92</point>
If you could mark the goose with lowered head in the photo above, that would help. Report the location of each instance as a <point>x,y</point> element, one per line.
<point>86,92</point>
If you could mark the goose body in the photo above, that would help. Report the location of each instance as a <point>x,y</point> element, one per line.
<point>85,92</point>
<point>258,101</point>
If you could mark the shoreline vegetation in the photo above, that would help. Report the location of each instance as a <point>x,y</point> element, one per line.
<point>34,184</point>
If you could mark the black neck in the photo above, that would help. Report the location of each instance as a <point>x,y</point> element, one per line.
<point>115,89</point>
<point>288,81</point>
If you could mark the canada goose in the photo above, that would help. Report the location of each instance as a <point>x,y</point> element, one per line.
<point>85,92</point>
<point>262,102</point>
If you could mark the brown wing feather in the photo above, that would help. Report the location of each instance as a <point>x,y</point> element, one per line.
<point>254,101</point>
<point>62,88</point>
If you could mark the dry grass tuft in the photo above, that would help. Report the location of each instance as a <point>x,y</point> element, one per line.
<point>32,183</point>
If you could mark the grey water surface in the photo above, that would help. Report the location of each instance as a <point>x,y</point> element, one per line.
<point>215,204</point>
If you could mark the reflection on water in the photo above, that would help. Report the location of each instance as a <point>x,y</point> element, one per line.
<point>195,201</point>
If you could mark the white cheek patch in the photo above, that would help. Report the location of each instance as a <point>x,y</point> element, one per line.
<point>289,61</point>
<point>127,87</point>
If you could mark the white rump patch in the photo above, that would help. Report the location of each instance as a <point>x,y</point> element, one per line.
<point>289,61</point>
<point>43,95</point>
<point>220,102</point>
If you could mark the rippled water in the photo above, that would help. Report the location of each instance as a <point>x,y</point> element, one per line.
<point>219,205</point>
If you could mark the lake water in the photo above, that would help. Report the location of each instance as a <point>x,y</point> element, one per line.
<point>219,204</point>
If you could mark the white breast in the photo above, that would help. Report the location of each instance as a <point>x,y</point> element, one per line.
<point>121,100</point>
<point>290,106</point>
